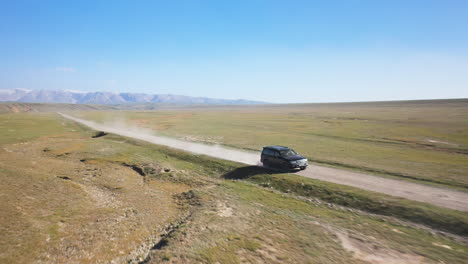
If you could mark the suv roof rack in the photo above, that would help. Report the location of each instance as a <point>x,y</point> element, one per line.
<point>277,147</point>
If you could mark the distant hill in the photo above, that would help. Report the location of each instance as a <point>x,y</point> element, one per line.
<point>28,107</point>
<point>108,98</point>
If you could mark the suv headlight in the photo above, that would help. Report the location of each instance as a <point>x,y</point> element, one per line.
<point>294,162</point>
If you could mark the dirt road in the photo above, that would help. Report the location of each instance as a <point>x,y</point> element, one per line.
<point>401,188</point>
<point>418,192</point>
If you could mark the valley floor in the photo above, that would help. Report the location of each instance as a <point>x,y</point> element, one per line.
<point>69,195</point>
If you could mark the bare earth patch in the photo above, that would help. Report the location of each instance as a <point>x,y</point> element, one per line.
<point>223,209</point>
<point>372,251</point>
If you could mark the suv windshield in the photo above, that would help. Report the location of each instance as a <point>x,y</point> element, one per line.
<point>288,153</point>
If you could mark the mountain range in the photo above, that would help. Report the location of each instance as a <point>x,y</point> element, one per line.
<point>108,98</point>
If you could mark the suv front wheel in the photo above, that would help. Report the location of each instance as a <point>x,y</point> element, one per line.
<point>286,166</point>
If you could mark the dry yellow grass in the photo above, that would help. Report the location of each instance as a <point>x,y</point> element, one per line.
<point>58,209</point>
<point>66,197</point>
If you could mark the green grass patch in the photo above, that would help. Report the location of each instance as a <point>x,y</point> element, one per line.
<point>284,214</point>
<point>436,217</point>
<point>226,250</point>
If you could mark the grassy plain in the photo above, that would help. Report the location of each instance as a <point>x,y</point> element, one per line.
<point>58,208</point>
<point>419,140</point>
<point>69,197</point>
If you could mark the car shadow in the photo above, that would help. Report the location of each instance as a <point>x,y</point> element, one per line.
<point>249,171</point>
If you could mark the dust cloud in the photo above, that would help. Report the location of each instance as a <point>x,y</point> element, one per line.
<point>216,151</point>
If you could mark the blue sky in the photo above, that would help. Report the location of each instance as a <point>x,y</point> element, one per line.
<point>276,51</point>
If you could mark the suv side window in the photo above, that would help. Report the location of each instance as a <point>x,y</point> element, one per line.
<point>269,152</point>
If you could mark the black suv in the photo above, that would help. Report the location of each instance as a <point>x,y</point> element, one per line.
<point>283,158</point>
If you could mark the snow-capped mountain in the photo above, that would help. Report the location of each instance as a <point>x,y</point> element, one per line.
<point>107,98</point>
